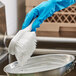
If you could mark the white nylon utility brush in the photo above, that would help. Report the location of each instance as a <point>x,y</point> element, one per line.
<point>23,45</point>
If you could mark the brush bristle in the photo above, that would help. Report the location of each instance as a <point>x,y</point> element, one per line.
<point>24,46</point>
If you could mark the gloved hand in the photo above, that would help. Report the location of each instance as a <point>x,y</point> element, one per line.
<point>44,10</point>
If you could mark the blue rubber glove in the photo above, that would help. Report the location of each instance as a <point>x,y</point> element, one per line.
<point>44,10</point>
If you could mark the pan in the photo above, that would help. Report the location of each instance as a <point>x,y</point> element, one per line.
<point>44,65</point>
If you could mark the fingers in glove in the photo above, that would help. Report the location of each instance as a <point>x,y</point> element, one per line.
<point>44,15</point>
<point>29,17</point>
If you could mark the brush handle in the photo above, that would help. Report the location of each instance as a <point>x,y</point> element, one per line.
<point>29,28</point>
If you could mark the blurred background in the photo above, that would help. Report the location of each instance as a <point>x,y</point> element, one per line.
<point>61,24</point>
